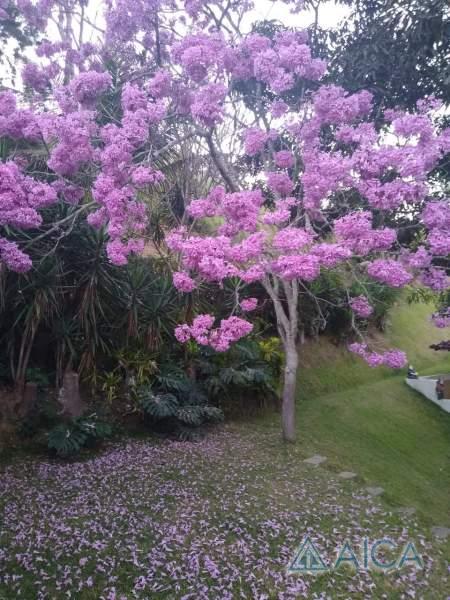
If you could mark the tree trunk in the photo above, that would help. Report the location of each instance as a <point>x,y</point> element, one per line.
<point>289,389</point>
<point>69,396</point>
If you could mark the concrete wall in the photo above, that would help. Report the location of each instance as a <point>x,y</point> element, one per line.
<point>427,387</point>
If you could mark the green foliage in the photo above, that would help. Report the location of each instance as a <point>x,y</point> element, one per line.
<point>190,415</point>
<point>423,295</point>
<point>398,50</point>
<point>76,308</point>
<point>38,376</point>
<point>110,384</point>
<point>68,439</point>
<point>242,379</point>
<point>272,353</point>
<point>176,404</point>
<point>158,406</point>
<point>137,364</point>
<point>212,414</point>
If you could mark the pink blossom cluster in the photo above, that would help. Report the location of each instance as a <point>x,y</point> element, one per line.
<point>436,279</point>
<point>387,175</point>
<point>333,105</point>
<point>390,272</point>
<point>355,231</point>
<point>209,206</point>
<point>280,183</point>
<point>71,136</point>
<point>441,319</point>
<point>284,159</point>
<point>303,266</point>
<point>281,213</point>
<point>436,216</point>
<point>21,197</point>
<point>220,339</point>
<point>17,123</point>
<point>160,84</point>
<point>200,54</point>
<point>394,359</point>
<point>279,62</point>
<point>254,140</point>
<point>207,105</point>
<point>249,304</point>
<point>278,108</point>
<point>331,254</point>
<point>292,238</point>
<point>241,211</point>
<point>420,259</point>
<point>88,86</point>
<point>38,78</point>
<point>361,306</point>
<point>119,178</point>
<point>323,174</point>
<point>183,282</point>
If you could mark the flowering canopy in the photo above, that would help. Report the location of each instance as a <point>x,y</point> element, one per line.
<point>186,66</point>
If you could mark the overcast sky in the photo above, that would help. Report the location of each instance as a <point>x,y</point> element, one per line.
<point>329,14</point>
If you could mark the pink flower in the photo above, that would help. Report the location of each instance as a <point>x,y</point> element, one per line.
<point>292,238</point>
<point>183,333</point>
<point>183,282</point>
<point>305,266</point>
<point>361,306</point>
<point>231,330</point>
<point>284,159</point>
<point>249,304</point>
<point>254,140</point>
<point>88,86</point>
<point>389,271</point>
<point>143,176</point>
<point>208,103</point>
<point>279,183</point>
<point>278,108</point>
<point>395,359</point>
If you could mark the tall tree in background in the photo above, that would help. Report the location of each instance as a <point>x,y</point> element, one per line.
<point>398,50</point>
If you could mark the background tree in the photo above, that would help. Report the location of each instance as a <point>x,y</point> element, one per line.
<point>397,50</point>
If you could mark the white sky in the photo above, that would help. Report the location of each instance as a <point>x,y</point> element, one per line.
<point>329,14</point>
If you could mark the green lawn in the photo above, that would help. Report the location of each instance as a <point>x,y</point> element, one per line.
<point>368,421</point>
<point>219,519</point>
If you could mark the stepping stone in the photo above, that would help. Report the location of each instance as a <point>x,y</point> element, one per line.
<point>375,491</point>
<point>441,532</point>
<point>407,511</point>
<point>315,460</point>
<point>347,475</point>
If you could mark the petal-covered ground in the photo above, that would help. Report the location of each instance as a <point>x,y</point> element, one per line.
<point>218,519</point>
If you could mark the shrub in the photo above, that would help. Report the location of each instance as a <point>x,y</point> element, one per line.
<point>68,439</point>
<point>177,406</point>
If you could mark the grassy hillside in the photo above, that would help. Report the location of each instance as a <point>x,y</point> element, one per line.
<point>326,368</point>
<point>368,421</point>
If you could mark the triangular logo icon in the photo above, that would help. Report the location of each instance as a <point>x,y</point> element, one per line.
<point>307,559</point>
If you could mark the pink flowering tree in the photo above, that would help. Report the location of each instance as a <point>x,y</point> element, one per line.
<point>303,179</point>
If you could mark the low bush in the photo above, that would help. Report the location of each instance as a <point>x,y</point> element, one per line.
<point>69,438</point>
